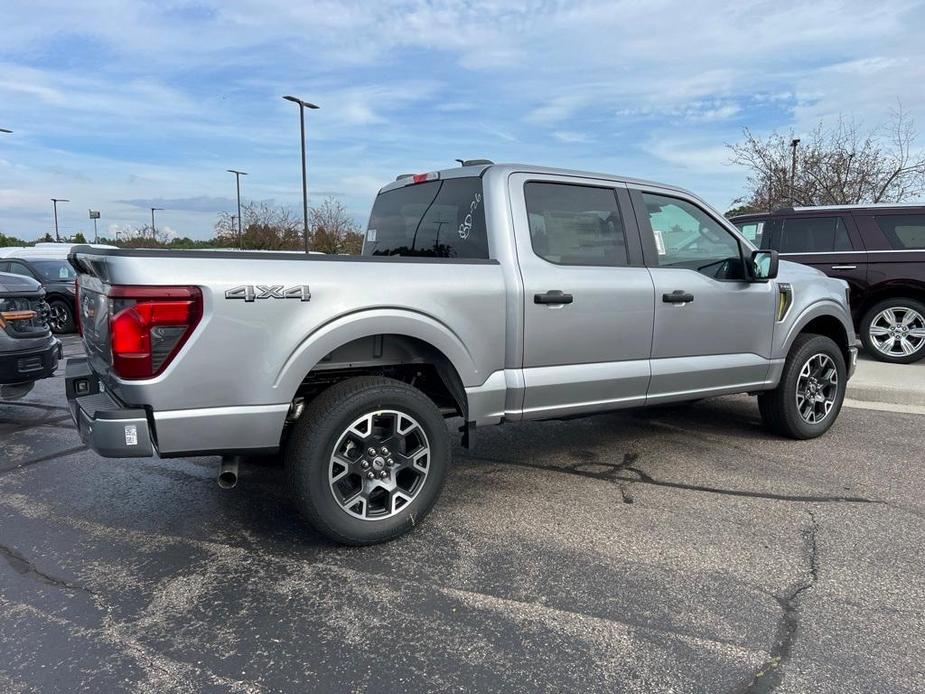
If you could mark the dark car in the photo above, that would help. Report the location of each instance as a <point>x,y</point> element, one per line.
<point>28,350</point>
<point>879,250</point>
<point>59,280</point>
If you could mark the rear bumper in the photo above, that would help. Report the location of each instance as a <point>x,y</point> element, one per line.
<point>29,365</point>
<point>107,426</point>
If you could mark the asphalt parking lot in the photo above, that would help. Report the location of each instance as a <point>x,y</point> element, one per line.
<point>674,549</point>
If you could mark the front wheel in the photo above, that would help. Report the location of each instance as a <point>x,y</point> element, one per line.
<point>894,331</point>
<point>367,459</point>
<point>812,386</point>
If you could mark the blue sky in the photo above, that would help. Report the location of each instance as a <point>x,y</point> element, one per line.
<point>121,105</point>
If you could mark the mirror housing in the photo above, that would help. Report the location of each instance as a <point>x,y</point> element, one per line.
<point>763,265</point>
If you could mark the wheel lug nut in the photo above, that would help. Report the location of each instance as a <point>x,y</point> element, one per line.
<point>390,462</point>
<point>383,474</point>
<point>384,450</point>
<point>371,451</point>
<point>371,474</point>
<point>364,464</point>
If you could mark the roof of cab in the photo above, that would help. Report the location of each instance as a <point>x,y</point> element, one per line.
<point>507,169</point>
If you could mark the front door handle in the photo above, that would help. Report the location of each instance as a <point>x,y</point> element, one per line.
<point>553,296</point>
<point>678,296</point>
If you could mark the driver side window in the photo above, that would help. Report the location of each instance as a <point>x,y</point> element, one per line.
<point>687,237</point>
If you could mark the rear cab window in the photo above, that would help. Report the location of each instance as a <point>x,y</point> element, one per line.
<point>435,219</point>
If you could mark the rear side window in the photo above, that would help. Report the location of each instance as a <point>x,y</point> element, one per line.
<point>438,219</point>
<point>814,235</point>
<point>575,225</point>
<point>903,231</point>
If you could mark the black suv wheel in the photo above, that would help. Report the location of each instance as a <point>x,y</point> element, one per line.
<point>367,459</point>
<point>894,331</point>
<point>60,316</point>
<point>809,396</point>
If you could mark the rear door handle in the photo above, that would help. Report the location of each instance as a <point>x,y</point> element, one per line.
<point>844,267</point>
<point>678,296</point>
<point>553,296</point>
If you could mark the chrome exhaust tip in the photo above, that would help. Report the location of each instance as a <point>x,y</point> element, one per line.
<point>228,473</point>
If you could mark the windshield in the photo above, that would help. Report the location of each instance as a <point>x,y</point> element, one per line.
<point>439,219</point>
<point>54,270</point>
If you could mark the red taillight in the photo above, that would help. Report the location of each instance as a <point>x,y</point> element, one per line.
<point>149,325</point>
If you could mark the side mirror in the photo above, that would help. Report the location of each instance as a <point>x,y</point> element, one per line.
<point>763,265</point>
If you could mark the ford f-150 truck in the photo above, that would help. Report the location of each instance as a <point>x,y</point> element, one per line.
<point>490,293</point>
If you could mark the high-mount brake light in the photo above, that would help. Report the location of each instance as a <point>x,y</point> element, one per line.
<point>424,177</point>
<point>149,325</point>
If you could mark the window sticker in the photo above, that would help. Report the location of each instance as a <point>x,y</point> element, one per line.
<point>466,227</point>
<point>371,235</point>
<point>659,242</point>
<point>131,435</point>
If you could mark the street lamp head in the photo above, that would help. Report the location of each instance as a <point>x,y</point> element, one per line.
<point>795,142</point>
<point>300,102</point>
<point>4,130</point>
<point>59,200</point>
<point>239,173</point>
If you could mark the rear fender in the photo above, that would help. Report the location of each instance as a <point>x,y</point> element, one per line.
<point>345,329</point>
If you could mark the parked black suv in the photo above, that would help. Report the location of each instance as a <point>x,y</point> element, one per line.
<point>59,280</point>
<point>879,250</point>
<point>28,350</point>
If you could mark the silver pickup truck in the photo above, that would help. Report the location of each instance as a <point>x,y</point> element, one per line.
<point>490,293</point>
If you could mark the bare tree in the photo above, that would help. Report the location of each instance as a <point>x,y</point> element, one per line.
<point>837,165</point>
<point>333,229</point>
<point>265,226</point>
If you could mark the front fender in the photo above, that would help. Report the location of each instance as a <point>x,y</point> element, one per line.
<point>366,323</point>
<point>818,309</point>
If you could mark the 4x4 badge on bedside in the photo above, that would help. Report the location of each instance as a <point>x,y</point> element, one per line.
<point>251,292</point>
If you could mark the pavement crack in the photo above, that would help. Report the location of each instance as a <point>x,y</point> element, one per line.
<point>613,472</point>
<point>24,567</point>
<point>771,673</point>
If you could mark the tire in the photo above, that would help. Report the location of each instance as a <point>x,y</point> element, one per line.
<point>350,416</point>
<point>61,316</point>
<point>779,407</point>
<point>900,327</point>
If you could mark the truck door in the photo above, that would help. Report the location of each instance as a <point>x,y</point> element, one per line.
<point>713,329</point>
<point>588,297</point>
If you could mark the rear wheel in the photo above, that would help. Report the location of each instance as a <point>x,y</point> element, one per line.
<point>60,316</point>
<point>809,396</point>
<point>894,331</point>
<point>367,459</point>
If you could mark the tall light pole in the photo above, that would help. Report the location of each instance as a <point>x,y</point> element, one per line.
<point>302,106</point>
<point>154,228</point>
<point>237,179</point>
<point>55,202</point>
<point>793,167</point>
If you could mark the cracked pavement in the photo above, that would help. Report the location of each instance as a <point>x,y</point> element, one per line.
<point>676,549</point>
